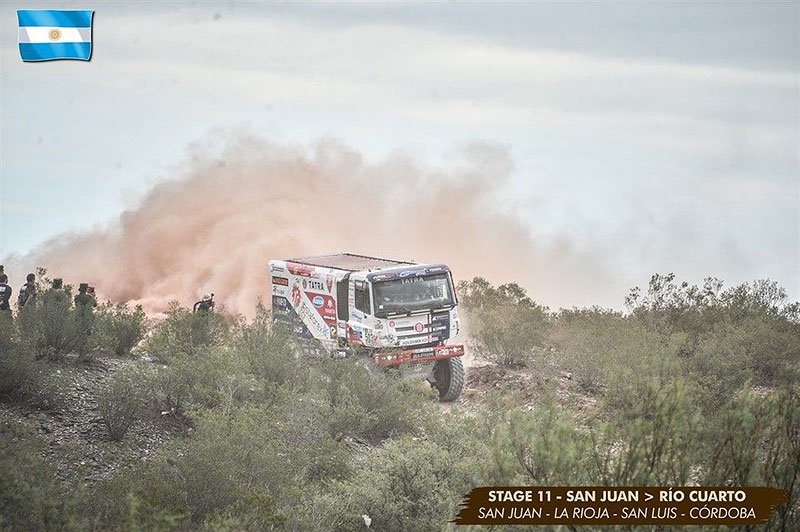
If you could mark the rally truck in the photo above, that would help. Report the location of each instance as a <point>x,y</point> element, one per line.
<point>397,315</point>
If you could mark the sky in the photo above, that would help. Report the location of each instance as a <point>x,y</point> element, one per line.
<point>645,137</point>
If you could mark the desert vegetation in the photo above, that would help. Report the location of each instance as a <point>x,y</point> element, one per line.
<point>689,385</point>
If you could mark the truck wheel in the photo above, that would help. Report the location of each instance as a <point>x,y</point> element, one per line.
<point>449,378</point>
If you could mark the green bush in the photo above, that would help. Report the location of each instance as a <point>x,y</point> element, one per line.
<point>29,499</point>
<point>247,467</point>
<point>269,353</point>
<point>544,446</point>
<point>755,440</point>
<point>405,484</point>
<point>209,378</point>
<point>653,441</point>
<point>119,329</point>
<point>183,333</point>
<point>17,364</point>
<point>122,402</point>
<point>506,325</point>
<point>22,376</point>
<point>50,326</point>
<point>606,352</point>
<point>366,404</point>
<point>20,372</point>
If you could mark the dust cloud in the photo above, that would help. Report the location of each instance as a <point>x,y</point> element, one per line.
<point>239,200</point>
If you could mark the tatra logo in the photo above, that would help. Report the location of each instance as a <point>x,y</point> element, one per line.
<point>418,327</point>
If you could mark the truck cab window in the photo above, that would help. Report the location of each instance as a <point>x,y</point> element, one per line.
<point>362,297</point>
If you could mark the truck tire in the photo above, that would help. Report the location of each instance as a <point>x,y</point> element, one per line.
<point>449,378</point>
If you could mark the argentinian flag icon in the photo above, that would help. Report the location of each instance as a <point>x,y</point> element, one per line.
<point>47,34</point>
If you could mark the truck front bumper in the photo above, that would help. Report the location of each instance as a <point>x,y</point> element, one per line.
<point>419,355</point>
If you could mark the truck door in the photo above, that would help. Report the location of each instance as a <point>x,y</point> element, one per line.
<point>359,311</point>
<point>342,305</point>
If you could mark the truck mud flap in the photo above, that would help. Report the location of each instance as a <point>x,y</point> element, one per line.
<point>423,354</point>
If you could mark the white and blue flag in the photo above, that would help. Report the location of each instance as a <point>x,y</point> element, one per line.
<point>47,34</point>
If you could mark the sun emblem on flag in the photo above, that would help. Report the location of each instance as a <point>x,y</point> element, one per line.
<point>55,34</point>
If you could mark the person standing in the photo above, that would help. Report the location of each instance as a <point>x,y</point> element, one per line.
<point>83,298</point>
<point>5,293</point>
<point>205,305</point>
<point>84,308</point>
<point>27,291</point>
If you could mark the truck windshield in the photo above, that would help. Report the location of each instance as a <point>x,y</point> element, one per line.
<point>412,293</point>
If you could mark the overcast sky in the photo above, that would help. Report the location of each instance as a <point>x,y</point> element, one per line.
<point>655,137</point>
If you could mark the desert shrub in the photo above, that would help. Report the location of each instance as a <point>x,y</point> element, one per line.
<point>7,332</point>
<point>255,510</point>
<point>208,378</point>
<point>119,328</point>
<point>49,324</point>
<point>607,352</point>
<point>22,376</point>
<point>543,446</point>
<point>365,403</point>
<point>755,440</point>
<point>20,372</point>
<point>144,497</point>
<point>247,467</point>
<point>184,333</point>
<point>405,484</point>
<point>654,441</point>
<point>669,307</point>
<point>506,325</point>
<point>122,402</point>
<point>764,350</point>
<point>269,352</point>
<point>29,499</point>
<point>17,364</point>
<point>748,333</point>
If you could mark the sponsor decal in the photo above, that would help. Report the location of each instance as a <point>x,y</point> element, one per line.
<point>325,305</point>
<point>413,341</point>
<point>411,272</point>
<point>303,270</point>
<point>312,320</point>
<point>329,282</point>
<point>311,284</point>
<point>391,323</point>
<point>275,268</point>
<point>280,290</point>
<point>283,281</point>
<point>354,335</point>
<point>296,295</point>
